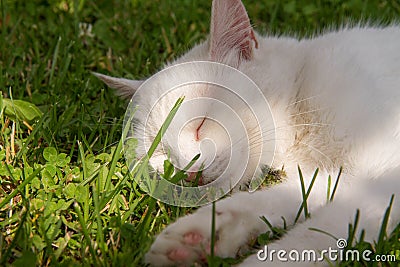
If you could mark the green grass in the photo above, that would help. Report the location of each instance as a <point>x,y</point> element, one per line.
<point>66,197</point>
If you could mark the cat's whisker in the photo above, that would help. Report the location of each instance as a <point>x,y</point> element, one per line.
<point>317,124</point>
<point>307,112</point>
<point>304,99</point>
<point>258,154</point>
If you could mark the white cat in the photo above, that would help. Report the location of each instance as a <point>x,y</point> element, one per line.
<point>336,103</point>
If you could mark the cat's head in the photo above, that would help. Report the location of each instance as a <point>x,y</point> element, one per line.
<point>232,42</point>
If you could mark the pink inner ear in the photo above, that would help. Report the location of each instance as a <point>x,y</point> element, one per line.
<point>246,49</point>
<point>231,31</point>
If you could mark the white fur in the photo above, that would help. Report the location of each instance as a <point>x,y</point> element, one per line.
<point>335,99</point>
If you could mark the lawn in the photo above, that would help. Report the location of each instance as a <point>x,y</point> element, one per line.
<point>66,196</point>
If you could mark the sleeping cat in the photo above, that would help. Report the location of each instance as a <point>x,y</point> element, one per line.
<point>335,102</point>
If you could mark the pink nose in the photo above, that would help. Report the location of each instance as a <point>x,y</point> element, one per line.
<point>192,176</point>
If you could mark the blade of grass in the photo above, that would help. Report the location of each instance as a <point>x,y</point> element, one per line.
<point>6,256</point>
<point>382,231</point>
<point>213,232</point>
<point>336,184</point>
<point>164,127</point>
<point>108,197</point>
<point>353,229</point>
<point>143,166</point>
<point>145,223</point>
<point>132,207</point>
<point>54,61</point>
<point>85,232</point>
<point>323,232</point>
<point>180,175</point>
<point>99,231</point>
<point>305,194</point>
<point>116,156</point>
<point>328,190</point>
<point>82,155</point>
<point>19,188</point>
<point>277,232</point>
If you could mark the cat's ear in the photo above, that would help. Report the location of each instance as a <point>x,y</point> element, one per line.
<point>232,38</point>
<point>124,88</point>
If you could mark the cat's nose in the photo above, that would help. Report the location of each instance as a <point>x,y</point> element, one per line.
<point>197,134</point>
<point>192,177</point>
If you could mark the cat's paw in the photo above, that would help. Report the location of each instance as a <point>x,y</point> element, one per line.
<point>188,240</point>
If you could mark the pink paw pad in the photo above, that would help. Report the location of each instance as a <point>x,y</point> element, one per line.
<point>179,254</point>
<point>192,238</point>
